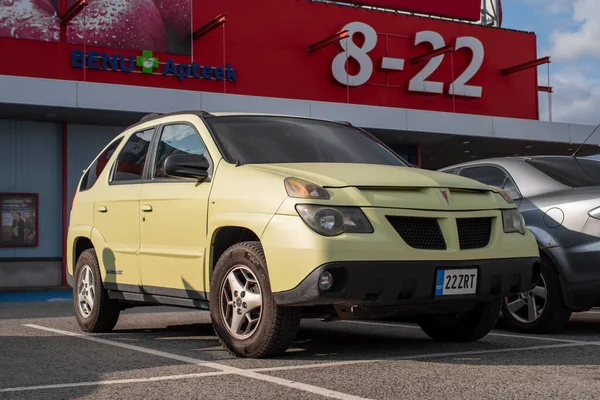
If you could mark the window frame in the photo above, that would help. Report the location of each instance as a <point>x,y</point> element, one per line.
<point>111,176</point>
<point>150,178</point>
<point>507,176</point>
<point>118,140</point>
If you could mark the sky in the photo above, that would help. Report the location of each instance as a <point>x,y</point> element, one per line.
<point>569,32</point>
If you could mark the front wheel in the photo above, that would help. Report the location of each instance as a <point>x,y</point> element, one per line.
<point>542,309</point>
<point>245,317</point>
<point>463,327</point>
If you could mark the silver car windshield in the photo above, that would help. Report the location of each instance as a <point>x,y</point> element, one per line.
<point>569,171</point>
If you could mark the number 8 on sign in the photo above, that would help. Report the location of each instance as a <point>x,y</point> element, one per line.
<point>351,50</point>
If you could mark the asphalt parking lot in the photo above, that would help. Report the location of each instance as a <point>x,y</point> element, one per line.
<point>160,353</point>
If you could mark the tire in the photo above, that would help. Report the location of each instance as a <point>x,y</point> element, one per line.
<point>104,313</point>
<point>276,326</point>
<point>465,327</point>
<point>554,313</point>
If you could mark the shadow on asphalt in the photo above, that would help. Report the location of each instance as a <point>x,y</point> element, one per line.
<point>319,341</point>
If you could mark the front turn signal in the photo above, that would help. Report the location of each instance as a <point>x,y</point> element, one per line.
<point>303,189</point>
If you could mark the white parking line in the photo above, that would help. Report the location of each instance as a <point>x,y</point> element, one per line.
<point>114,382</point>
<point>224,368</point>
<point>510,335</point>
<point>284,368</point>
<point>423,356</point>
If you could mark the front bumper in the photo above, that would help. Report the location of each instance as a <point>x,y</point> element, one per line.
<point>391,283</point>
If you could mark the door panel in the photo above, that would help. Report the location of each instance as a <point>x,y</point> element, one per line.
<point>173,237</point>
<point>116,217</point>
<point>173,222</point>
<point>117,214</point>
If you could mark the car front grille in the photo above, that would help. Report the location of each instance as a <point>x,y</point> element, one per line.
<point>474,233</point>
<point>419,233</point>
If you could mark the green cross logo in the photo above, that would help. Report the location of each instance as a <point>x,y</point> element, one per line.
<point>147,62</point>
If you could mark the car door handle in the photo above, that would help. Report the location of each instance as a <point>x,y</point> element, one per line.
<point>147,208</point>
<point>102,209</point>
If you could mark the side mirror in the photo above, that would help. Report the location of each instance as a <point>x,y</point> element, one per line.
<point>187,166</point>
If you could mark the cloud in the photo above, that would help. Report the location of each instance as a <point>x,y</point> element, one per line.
<point>576,97</point>
<point>583,39</point>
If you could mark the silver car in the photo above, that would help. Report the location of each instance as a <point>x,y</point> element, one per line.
<point>559,197</point>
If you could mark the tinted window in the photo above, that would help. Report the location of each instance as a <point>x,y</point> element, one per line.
<point>489,175</point>
<point>94,171</point>
<point>261,140</point>
<point>130,164</point>
<point>492,176</point>
<point>176,139</point>
<point>569,171</point>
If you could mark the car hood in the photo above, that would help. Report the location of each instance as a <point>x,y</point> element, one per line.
<point>336,175</point>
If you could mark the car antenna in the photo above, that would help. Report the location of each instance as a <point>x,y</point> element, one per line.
<point>585,141</point>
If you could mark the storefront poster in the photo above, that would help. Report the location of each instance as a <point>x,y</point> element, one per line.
<point>30,19</point>
<point>162,26</point>
<point>19,219</point>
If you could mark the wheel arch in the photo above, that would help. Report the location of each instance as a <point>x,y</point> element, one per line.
<point>221,239</point>
<point>548,257</point>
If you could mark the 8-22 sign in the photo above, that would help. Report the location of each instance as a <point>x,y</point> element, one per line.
<point>419,82</point>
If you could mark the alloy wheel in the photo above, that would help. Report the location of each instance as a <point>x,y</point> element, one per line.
<point>241,302</point>
<point>527,307</point>
<point>86,291</point>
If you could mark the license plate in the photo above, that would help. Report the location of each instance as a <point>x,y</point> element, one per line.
<point>450,282</point>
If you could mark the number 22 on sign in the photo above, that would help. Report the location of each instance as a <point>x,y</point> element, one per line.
<point>418,83</point>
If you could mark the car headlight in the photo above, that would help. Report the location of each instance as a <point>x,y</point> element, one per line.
<point>302,189</point>
<point>513,221</point>
<point>333,221</point>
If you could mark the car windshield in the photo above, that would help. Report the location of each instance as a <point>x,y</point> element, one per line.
<point>264,140</point>
<point>569,171</point>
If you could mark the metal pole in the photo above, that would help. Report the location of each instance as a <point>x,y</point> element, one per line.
<point>549,97</point>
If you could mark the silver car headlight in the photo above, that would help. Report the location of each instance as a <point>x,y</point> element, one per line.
<point>333,221</point>
<point>513,221</point>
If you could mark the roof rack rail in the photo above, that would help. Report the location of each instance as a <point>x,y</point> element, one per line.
<point>149,116</point>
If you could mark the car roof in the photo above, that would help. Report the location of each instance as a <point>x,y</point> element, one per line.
<point>502,161</point>
<point>206,114</point>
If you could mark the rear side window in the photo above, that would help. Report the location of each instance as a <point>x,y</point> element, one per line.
<point>492,176</point>
<point>95,170</point>
<point>488,175</point>
<point>131,161</point>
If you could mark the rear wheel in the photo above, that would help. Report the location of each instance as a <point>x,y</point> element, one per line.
<point>542,309</point>
<point>94,310</point>
<point>245,317</point>
<point>462,327</point>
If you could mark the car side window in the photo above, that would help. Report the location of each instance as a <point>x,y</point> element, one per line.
<point>451,171</point>
<point>96,169</point>
<point>176,139</point>
<point>492,176</point>
<point>130,163</point>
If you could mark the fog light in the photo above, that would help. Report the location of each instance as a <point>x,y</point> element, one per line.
<point>325,281</point>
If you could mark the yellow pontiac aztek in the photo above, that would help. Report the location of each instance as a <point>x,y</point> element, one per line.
<point>266,219</point>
